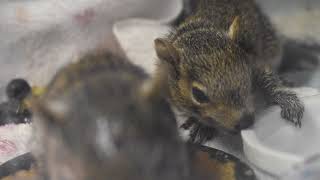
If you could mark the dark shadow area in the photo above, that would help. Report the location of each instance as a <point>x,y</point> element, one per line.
<point>2,92</point>
<point>300,62</point>
<point>189,6</point>
<point>23,162</point>
<point>13,110</point>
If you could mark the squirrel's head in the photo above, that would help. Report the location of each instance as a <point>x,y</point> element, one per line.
<point>209,75</point>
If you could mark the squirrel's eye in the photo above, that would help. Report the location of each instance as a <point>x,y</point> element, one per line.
<point>199,96</point>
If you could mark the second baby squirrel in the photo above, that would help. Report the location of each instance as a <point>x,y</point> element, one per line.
<point>97,121</point>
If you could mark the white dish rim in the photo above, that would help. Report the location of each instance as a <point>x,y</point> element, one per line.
<point>273,161</point>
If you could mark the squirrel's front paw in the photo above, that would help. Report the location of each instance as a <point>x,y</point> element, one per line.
<point>199,133</point>
<point>291,107</point>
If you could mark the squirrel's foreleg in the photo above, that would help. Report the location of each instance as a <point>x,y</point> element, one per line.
<point>276,93</point>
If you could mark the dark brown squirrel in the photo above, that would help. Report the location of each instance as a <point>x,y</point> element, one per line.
<point>215,62</point>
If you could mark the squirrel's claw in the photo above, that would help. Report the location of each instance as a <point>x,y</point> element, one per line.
<point>189,123</point>
<point>200,133</point>
<point>293,112</point>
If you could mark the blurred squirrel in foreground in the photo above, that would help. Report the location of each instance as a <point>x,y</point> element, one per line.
<point>96,121</point>
<point>99,124</point>
<point>216,62</point>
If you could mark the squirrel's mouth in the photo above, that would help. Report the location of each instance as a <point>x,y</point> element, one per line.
<point>211,122</point>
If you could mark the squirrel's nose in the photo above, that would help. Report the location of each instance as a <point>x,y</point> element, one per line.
<point>245,122</point>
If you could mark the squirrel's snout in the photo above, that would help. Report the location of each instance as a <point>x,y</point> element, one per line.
<point>246,121</point>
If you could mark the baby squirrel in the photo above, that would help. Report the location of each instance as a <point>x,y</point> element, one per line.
<point>215,62</point>
<point>99,122</point>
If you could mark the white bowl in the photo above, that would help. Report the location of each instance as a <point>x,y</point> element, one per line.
<point>275,145</point>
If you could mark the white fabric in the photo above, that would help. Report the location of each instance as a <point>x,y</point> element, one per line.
<point>136,38</point>
<point>38,37</point>
<point>14,141</point>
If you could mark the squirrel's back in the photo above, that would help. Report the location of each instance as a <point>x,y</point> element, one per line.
<point>90,66</point>
<point>256,33</point>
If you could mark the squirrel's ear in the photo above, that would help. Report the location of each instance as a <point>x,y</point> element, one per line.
<point>166,51</point>
<point>234,29</point>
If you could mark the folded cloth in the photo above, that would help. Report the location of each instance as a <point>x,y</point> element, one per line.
<point>136,37</point>
<point>15,140</point>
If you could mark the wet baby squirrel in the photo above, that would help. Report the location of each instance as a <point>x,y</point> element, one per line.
<point>214,63</point>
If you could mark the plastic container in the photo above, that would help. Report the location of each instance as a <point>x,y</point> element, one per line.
<point>275,145</point>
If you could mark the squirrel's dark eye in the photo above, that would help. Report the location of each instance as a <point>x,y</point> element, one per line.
<point>199,96</point>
